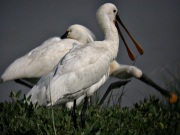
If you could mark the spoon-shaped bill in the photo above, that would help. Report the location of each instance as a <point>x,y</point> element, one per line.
<point>139,48</point>
<point>131,55</point>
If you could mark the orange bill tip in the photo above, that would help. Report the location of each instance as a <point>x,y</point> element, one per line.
<point>131,55</point>
<point>173,99</point>
<point>139,48</point>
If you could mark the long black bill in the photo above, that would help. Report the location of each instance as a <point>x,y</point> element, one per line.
<point>65,35</point>
<point>139,48</point>
<point>171,96</point>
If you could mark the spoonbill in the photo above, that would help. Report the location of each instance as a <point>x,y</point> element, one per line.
<point>84,69</point>
<point>125,72</point>
<point>44,58</point>
<point>121,71</point>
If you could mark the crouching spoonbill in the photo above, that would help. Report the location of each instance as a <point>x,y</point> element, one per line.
<point>45,57</point>
<point>121,71</point>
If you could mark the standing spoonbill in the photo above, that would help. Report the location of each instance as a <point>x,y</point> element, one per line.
<point>121,71</point>
<point>44,58</point>
<point>84,69</point>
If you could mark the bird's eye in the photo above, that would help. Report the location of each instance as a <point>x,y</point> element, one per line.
<point>114,11</point>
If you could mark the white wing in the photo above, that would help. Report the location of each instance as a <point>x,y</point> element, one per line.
<point>34,64</point>
<point>77,72</point>
<point>38,92</point>
<point>74,75</point>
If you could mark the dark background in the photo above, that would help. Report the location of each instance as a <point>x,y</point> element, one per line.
<point>155,24</point>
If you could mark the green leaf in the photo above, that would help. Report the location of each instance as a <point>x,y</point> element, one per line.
<point>162,125</point>
<point>18,94</point>
<point>98,133</point>
<point>12,94</point>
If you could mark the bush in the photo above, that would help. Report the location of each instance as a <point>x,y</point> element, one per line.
<point>147,117</point>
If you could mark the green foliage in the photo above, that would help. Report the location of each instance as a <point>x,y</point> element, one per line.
<point>147,117</point>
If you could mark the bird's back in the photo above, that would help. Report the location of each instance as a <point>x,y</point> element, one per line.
<point>78,71</point>
<point>39,61</point>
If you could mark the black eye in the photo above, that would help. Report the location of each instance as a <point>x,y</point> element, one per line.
<point>114,11</point>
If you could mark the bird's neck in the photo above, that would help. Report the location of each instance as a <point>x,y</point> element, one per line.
<point>110,33</point>
<point>109,29</point>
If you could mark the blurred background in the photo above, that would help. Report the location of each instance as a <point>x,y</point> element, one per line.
<point>155,24</point>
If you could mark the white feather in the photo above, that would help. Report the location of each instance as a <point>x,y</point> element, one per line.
<point>84,69</point>
<point>44,58</point>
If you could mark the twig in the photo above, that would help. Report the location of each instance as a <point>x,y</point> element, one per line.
<point>111,87</point>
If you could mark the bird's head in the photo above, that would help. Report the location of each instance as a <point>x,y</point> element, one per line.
<point>79,33</point>
<point>111,13</point>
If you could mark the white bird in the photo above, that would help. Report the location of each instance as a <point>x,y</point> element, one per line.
<point>44,58</point>
<point>76,32</point>
<point>121,71</point>
<point>84,69</point>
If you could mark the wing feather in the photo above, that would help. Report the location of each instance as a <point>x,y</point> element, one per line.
<point>77,72</point>
<point>40,60</point>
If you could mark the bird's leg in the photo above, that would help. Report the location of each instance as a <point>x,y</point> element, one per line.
<point>74,117</point>
<point>111,87</point>
<point>28,82</point>
<point>24,82</point>
<point>84,111</point>
<point>171,96</point>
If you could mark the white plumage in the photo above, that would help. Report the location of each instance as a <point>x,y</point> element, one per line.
<point>117,70</point>
<point>83,70</point>
<point>76,76</point>
<point>44,58</point>
<point>124,71</point>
